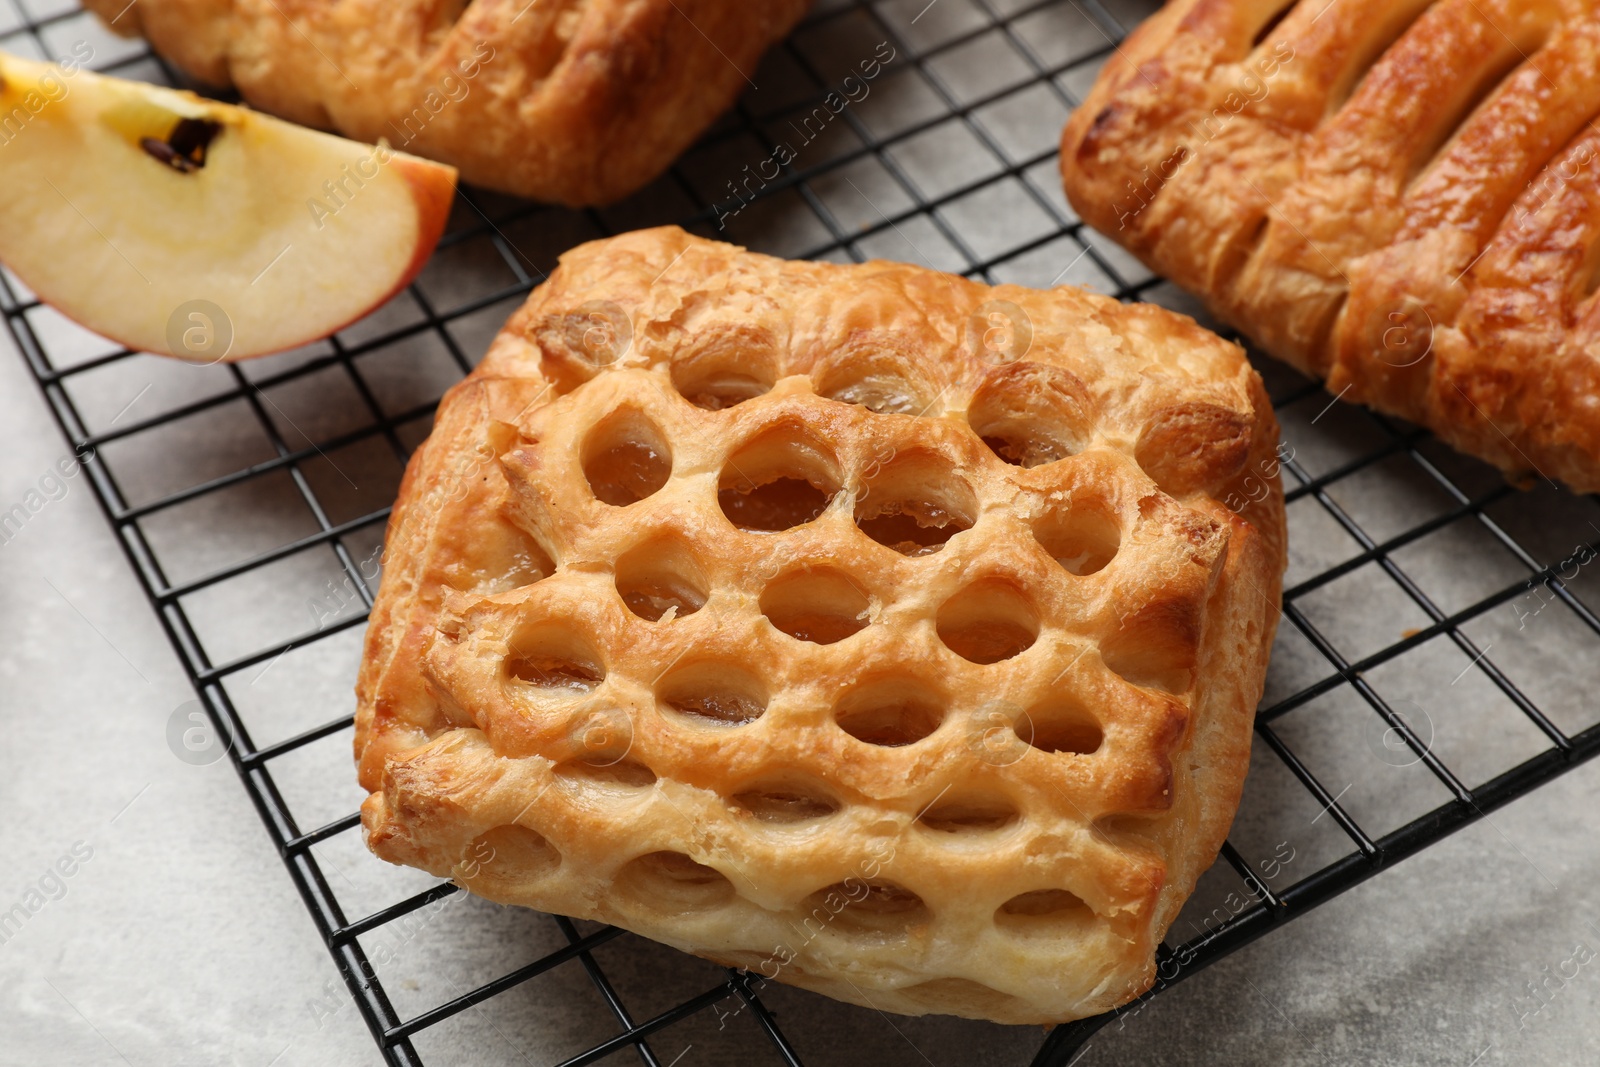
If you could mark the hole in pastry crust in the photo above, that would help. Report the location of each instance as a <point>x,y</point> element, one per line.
<point>890,712</point>
<point>884,391</point>
<point>784,802</point>
<point>671,881</point>
<point>717,392</point>
<point>869,372</point>
<point>525,566</point>
<point>781,479</point>
<point>726,366</point>
<point>1030,414</point>
<point>972,813</point>
<point>505,858</point>
<point>988,621</point>
<point>874,909</point>
<point>1136,662</point>
<point>1044,913</point>
<point>912,528</point>
<point>626,459</point>
<point>1083,539</point>
<point>554,672</point>
<point>622,777</point>
<point>553,661</point>
<point>816,604</point>
<point>884,394</point>
<point>1063,728</point>
<point>499,559</point>
<point>713,694</point>
<point>661,580</point>
<point>1193,445</point>
<point>1128,829</point>
<point>914,504</point>
<point>774,506</point>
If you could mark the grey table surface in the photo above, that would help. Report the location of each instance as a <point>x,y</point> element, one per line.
<point>178,938</point>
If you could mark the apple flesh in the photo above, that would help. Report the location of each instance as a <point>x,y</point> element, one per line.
<point>185,227</point>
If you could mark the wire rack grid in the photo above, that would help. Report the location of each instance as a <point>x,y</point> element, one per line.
<point>1430,616</point>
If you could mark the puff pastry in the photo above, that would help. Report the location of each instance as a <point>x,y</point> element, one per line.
<point>815,620</point>
<point>1400,197</point>
<point>574,101</point>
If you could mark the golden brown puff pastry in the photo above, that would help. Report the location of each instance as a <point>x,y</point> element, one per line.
<point>574,101</point>
<point>863,626</point>
<point>1400,197</point>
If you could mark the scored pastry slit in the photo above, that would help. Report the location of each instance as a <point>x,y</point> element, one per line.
<point>1560,214</point>
<point>1361,41</point>
<point>1420,91</point>
<point>1273,22</point>
<point>1457,119</point>
<point>1589,274</point>
<point>1524,135</point>
<point>1407,262</point>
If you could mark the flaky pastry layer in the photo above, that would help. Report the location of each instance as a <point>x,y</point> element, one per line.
<point>1400,197</point>
<point>866,627</point>
<point>572,101</point>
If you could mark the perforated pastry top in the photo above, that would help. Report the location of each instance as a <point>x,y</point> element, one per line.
<point>866,627</point>
<point>573,101</point>
<point>1401,197</point>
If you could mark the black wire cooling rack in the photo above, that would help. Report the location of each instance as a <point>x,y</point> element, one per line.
<point>1434,619</point>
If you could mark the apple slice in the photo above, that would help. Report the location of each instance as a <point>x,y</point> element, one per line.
<point>177,225</point>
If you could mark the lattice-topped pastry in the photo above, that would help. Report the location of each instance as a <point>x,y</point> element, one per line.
<point>863,626</point>
<point>575,101</point>
<point>1399,196</point>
